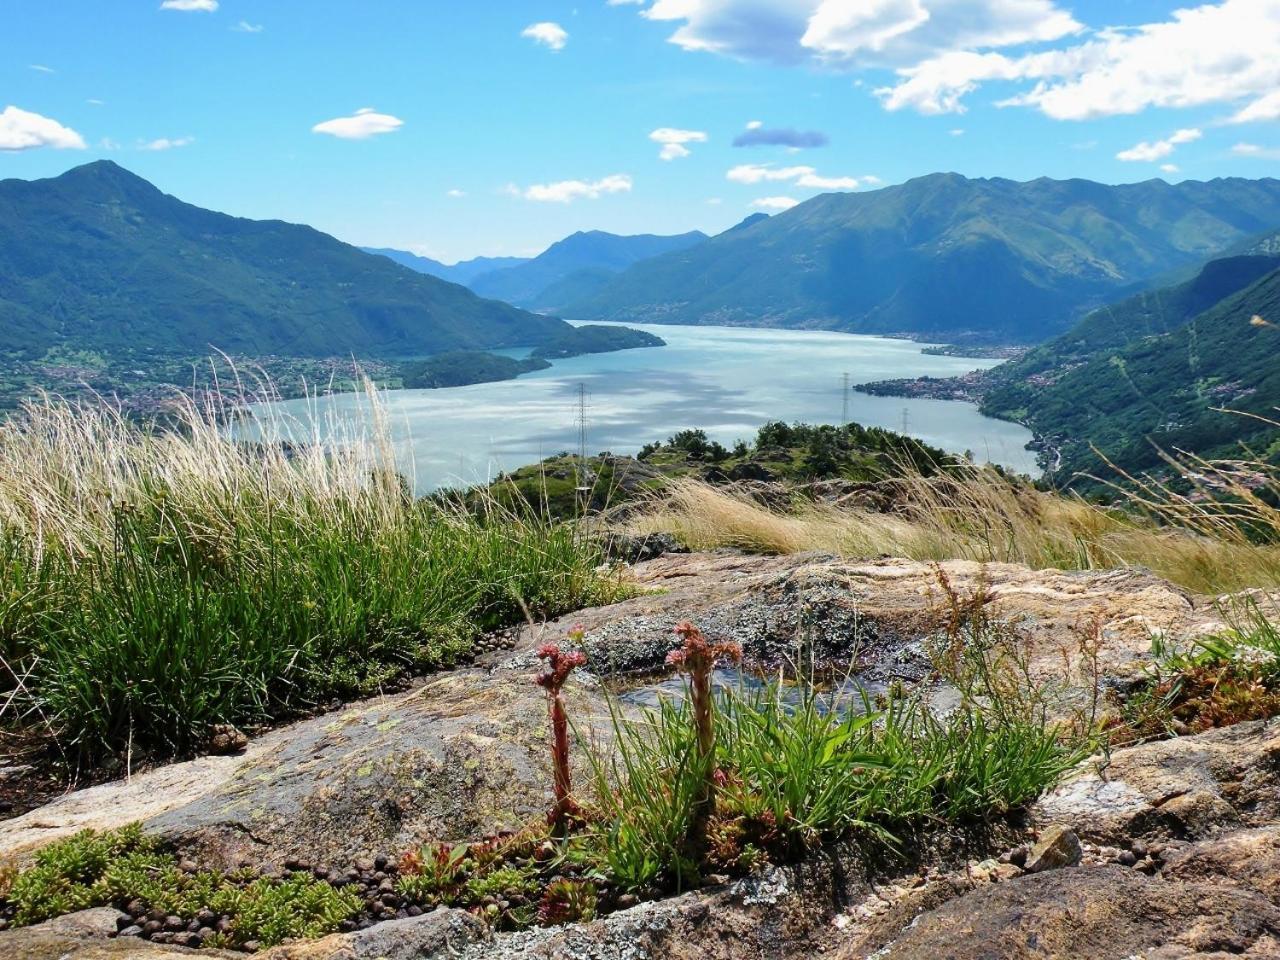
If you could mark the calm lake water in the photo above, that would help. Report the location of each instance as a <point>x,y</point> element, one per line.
<point>726,380</point>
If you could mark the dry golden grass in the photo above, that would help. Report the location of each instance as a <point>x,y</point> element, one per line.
<point>979,515</point>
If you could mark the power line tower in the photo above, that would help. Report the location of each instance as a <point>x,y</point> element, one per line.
<point>582,485</point>
<point>844,409</point>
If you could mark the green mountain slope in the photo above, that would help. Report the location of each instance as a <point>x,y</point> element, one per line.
<point>942,256</point>
<point>99,259</point>
<point>463,272</point>
<point>576,266</point>
<point>1136,393</point>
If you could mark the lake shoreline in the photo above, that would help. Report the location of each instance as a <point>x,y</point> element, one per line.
<point>728,381</point>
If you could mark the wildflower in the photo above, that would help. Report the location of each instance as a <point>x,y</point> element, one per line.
<point>698,657</point>
<point>559,666</point>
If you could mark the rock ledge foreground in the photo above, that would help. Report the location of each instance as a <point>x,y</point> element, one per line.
<point>1166,850</point>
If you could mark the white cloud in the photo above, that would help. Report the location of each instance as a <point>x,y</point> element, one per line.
<point>815,182</point>
<point>1254,150</point>
<point>774,203</point>
<point>673,141</point>
<point>41,68</point>
<point>164,143</point>
<point>857,33</point>
<point>1146,152</point>
<point>361,125</point>
<point>1169,167</point>
<point>197,6</point>
<point>21,130</point>
<point>714,201</point>
<point>757,173</point>
<point>1223,52</point>
<point>455,193</point>
<point>1227,52</point>
<point>96,103</point>
<point>547,33</point>
<point>244,26</point>
<point>752,173</point>
<point>108,144</point>
<point>1266,107</point>
<point>566,191</point>
<point>957,131</point>
<point>754,124</point>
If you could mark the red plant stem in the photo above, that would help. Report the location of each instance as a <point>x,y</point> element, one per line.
<point>704,803</point>
<point>560,756</point>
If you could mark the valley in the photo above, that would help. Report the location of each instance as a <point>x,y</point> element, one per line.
<point>727,381</point>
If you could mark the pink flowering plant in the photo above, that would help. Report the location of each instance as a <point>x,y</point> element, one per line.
<point>697,657</point>
<point>560,664</point>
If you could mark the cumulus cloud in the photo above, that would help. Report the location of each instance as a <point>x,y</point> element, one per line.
<point>1169,167</point>
<point>455,193</point>
<point>673,141</point>
<point>22,130</point>
<point>361,125</point>
<point>808,177</point>
<point>1155,150</point>
<point>164,143</point>
<point>189,6</point>
<point>1227,52</point>
<point>244,26</point>
<point>757,135</point>
<point>547,33</point>
<point>567,191</point>
<point>857,33</point>
<point>774,203</point>
<point>941,51</point>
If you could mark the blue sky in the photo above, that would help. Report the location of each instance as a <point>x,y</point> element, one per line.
<point>497,127</point>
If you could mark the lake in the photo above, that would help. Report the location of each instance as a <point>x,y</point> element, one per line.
<point>726,380</point>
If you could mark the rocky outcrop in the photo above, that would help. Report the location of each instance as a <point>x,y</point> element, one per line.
<point>1162,850</point>
<point>457,757</point>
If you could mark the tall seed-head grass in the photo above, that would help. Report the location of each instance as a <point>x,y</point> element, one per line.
<point>163,580</point>
<point>978,514</point>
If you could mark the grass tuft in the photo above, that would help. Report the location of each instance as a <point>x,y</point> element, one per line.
<point>158,582</point>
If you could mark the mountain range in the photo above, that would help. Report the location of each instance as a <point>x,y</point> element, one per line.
<point>99,259</point>
<point>568,270</point>
<point>942,256</point>
<point>462,273</point>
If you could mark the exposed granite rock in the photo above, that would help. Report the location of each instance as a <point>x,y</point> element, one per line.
<point>1177,843</point>
<point>1058,847</point>
<point>1096,913</point>
<point>1188,788</point>
<point>790,608</point>
<point>442,933</point>
<point>458,757</point>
